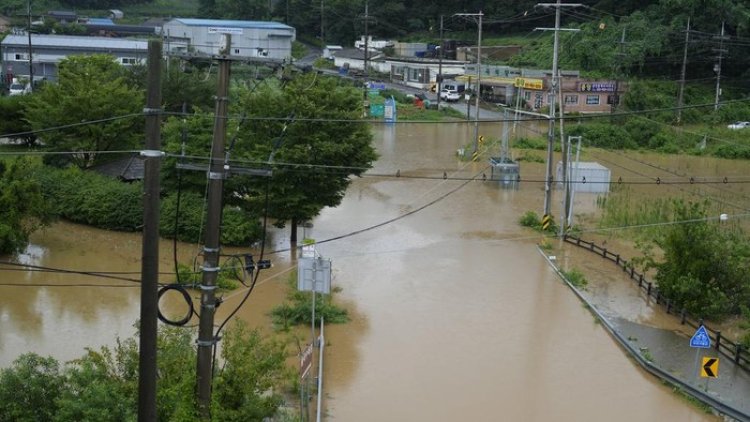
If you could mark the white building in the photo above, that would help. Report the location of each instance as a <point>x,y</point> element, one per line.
<point>271,40</point>
<point>48,50</point>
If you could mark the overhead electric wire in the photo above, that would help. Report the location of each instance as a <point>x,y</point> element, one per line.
<point>68,271</point>
<point>389,221</point>
<point>70,125</point>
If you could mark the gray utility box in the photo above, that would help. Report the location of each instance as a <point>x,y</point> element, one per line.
<point>588,177</point>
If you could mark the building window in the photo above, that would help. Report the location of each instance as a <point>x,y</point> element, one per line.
<point>527,95</point>
<point>592,100</point>
<point>21,56</point>
<point>571,99</point>
<point>236,51</point>
<point>613,99</point>
<point>128,60</point>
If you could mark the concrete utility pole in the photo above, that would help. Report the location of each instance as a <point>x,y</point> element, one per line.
<point>211,250</point>
<point>680,96</point>
<point>552,105</point>
<point>439,79</point>
<point>31,63</point>
<point>150,250</point>
<point>620,56</point>
<point>717,68</point>
<point>366,101</point>
<point>479,73</point>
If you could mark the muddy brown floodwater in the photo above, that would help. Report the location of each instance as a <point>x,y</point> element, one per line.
<point>455,313</point>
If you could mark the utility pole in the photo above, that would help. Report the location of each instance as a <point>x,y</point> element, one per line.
<point>717,68</point>
<point>552,105</point>
<point>468,102</point>
<point>322,24</point>
<point>479,73</point>
<point>439,79</point>
<point>680,96</point>
<point>367,54</point>
<point>210,267</point>
<point>150,249</point>
<point>28,32</point>
<point>620,56</point>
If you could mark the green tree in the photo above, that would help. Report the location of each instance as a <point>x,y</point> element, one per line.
<point>317,150</point>
<point>324,144</point>
<point>90,88</point>
<point>22,206</point>
<point>103,384</point>
<point>13,112</point>
<point>29,388</point>
<point>704,266</point>
<point>246,386</point>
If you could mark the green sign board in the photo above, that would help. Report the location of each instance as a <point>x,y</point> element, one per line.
<point>377,110</point>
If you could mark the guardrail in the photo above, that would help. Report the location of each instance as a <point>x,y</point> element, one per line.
<point>733,350</point>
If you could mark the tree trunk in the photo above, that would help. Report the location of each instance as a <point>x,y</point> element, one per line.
<point>293,235</point>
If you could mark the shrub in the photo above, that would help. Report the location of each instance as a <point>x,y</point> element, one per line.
<point>575,277</point>
<point>530,219</point>
<point>89,198</point>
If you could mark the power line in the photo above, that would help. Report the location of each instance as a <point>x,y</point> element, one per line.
<point>71,125</point>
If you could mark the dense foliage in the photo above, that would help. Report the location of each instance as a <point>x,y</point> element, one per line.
<point>704,267</point>
<point>22,206</point>
<point>90,88</point>
<point>311,158</point>
<point>103,385</point>
<point>13,121</point>
<point>89,198</point>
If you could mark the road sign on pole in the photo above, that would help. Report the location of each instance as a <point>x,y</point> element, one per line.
<point>710,368</point>
<point>701,339</point>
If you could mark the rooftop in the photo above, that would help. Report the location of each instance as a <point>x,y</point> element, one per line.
<point>76,41</point>
<point>233,23</point>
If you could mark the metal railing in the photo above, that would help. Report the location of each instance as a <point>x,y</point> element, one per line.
<point>733,350</point>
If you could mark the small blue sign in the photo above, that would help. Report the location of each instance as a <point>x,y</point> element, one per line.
<point>701,339</point>
<point>376,85</point>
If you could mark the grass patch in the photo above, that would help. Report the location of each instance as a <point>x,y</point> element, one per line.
<point>690,399</point>
<point>575,277</point>
<point>646,354</point>
<point>297,309</point>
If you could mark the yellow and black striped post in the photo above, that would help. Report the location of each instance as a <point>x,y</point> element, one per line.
<point>546,221</point>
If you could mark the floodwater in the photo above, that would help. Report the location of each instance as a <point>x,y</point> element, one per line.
<point>455,313</point>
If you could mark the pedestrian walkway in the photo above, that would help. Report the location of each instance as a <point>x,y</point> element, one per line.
<point>666,352</point>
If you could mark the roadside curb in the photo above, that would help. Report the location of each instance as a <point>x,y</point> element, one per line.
<point>719,406</point>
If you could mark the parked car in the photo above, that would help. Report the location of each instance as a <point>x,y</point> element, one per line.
<point>449,94</point>
<point>452,90</point>
<point>739,125</point>
<point>17,88</point>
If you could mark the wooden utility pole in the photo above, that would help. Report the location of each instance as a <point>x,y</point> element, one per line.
<point>150,250</point>
<point>211,250</point>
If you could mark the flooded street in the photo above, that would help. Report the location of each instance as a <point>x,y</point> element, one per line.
<point>455,313</point>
